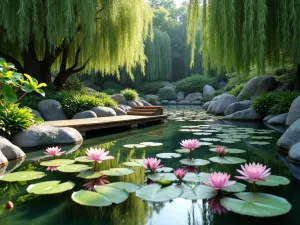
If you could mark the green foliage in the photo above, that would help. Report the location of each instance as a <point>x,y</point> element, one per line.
<point>194,83</point>
<point>152,101</point>
<point>263,103</point>
<point>112,85</point>
<point>150,87</point>
<point>130,94</point>
<point>110,91</point>
<point>14,119</point>
<point>237,89</point>
<point>283,102</point>
<point>219,92</point>
<point>74,84</point>
<point>166,93</point>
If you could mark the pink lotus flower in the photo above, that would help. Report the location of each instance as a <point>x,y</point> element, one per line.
<point>190,144</point>
<point>99,181</point>
<point>219,180</point>
<point>215,206</point>
<point>53,151</point>
<point>52,168</point>
<point>98,155</point>
<point>152,164</point>
<point>221,151</point>
<point>180,173</point>
<point>254,172</point>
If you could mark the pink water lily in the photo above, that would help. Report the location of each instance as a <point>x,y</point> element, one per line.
<point>52,168</point>
<point>152,164</point>
<point>99,181</point>
<point>215,206</point>
<point>180,173</point>
<point>53,151</point>
<point>221,151</point>
<point>191,169</point>
<point>190,144</point>
<point>253,172</point>
<point>97,155</point>
<point>219,180</point>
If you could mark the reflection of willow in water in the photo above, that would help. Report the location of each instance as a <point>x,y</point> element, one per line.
<point>199,214</point>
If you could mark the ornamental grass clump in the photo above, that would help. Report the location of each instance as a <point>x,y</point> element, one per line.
<point>130,94</point>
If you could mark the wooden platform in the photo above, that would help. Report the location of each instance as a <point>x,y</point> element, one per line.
<point>83,125</point>
<point>146,111</point>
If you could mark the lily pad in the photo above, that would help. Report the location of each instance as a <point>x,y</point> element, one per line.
<point>73,168</point>
<point>197,178</point>
<point>230,141</point>
<point>117,172</point>
<point>168,155</point>
<point>151,144</point>
<point>202,133</point>
<point>205,143</point>
<point>273,180</point>
<point>194,162</point>
<point>257,204</point>
<point>126,186</point>
<point>135,163</point>
<point>182,150</point>
<point>230,150</point>
<point>236,187</point>
<point>155,192</point>
<point>210,139</point>
<point>134,146</point>
<point>161,176</point>
<point>89,175</point>
<point>50,187</point>
<point>259,143</point>
<point>114,194</point>
<point>197,192</point>
<point>83,160</point>
<point>165,169</point>
<point>57,162</point>
<point>22,176</point>
<point>261,137</point>
<point>227,160</point>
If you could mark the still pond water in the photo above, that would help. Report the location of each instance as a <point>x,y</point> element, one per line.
<point>61,210</point>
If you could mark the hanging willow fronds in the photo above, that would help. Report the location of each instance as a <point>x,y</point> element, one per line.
<point>238,35</point>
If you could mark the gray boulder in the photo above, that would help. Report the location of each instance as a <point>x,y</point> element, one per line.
<point>284,87</point>
<point>180,96</point>
<point>196,103</point>
<point>184,102</point>
<point>197,96</point>
<point>9,150</point>
<point>164,102</point>
<point>126,108</point>
<point>206,105</point>
<point>119,111</point>
<point>218,96</point>
<point>222,103</point>
<point>294,112</point>
<point>235,107</point>
<point>256,86</point>
<point>51,109</point>
<point>290,137</point>
<point>35,113</point>
<point>132,104</point>
<point>39,135</point>
<point>120,99</point>
<point>246,114</point>
<point>145,103</point>
<point>168,84</point>
<point>85,115</point>
<point>102,111</point>
<point>90,84</point>
<point>138,103</point>
<point>278,120</point>
<point>294,152</point>
<point>211,106</point>
<point>173,103</point>
<point>246,102</point>
<point>208,91</point>
<point>268,117</point>
<point>151,97</point>
<point>3,161</point>
<point>91,90</point>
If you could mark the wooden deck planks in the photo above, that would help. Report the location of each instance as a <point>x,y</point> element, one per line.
<point>105,122</point>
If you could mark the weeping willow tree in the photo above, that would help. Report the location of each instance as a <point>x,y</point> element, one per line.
<point>241,34</point>
<point>69,36</point>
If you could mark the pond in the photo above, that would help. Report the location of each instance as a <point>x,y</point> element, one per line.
<point>256,139</point>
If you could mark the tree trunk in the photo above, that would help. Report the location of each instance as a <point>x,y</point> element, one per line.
<point>297,79</point>
<point>61,78</point>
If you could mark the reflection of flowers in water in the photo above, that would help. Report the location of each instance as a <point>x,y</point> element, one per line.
<point>52,168</point>
<point>191,169</point>
<point>215,206</point>
<point>99,181</point>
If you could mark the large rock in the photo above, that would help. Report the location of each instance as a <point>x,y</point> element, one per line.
<point>294,112</point>
<point>35,113</point>
<point>145,103</point>
<point>278,120</point>
<point>138,103</point>
<point>235,107</point>
<point>197,96</point>
<point>151,97</point>
<point>126,108</point>
<point>256,86</point>
<point>102,111</point>
<point>211,106</point>
<point>184,102</point>
<point>120,99</point>
<point>168,84</point>
<point>132,104</point>
<point>294,152</point>
<point>246,102</point>
<point>39,135</point>
<point>196,103</point>
<point>290,137</point>
<point>9,150</point>
<point>173,103</point>
<point>90,84</point>
<point>119,111</point>
<point>85,115</point>
<point>51,109</point>
<point>246,114</point>
<point>164,102</point>
<point>218,96</point>
<point>180,96</point>
<point>208,91</point>
<point>268,117</point>
<point>222,103</point>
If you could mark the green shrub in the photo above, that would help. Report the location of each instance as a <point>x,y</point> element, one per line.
<point>194,83</point>
<point>74,84</point>
<point>219,92</point>
<point>130,94</point>
<point>284,102</point>
<point>14,119</point>
<point>237,89</point>
<point>150,88</point>
<point>111,91</point>
<point>263,103</point>
<point>112,85</point>
<point>166,93</point>
<point>152,101</point>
